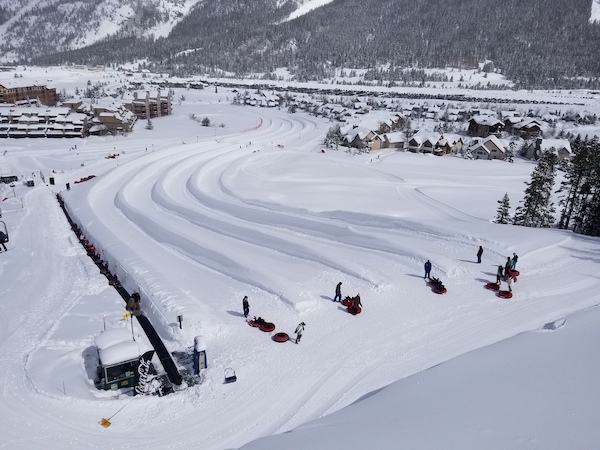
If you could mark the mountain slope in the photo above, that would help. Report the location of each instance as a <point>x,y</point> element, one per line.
<point>33,28</point>
<point>547,44</point>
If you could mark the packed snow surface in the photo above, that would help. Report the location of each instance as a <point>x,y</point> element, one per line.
<point>197,217</point>
<point>595,14</point>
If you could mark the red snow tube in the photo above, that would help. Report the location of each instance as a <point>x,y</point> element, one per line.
<point>281,337</point>
<point>439,291</point>
<point>267,327</point>
<point>252,323</point>
<point>515,273</point>
<point>492,286</point>
<point>347,301</point>
<point>505,294</point>
<point>352,310</point>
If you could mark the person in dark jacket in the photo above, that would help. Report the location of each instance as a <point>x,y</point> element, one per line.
<point>356,302</point>
<point>338,293</point>
<point>246,306</point>
<point>479,253</point>
<point>515,258</point>
<point>507,266</point>
<point>499,274</point>
<point>427,269</point>
<point>3,239</point>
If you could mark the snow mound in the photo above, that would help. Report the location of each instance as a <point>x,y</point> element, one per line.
<point>553,326</point>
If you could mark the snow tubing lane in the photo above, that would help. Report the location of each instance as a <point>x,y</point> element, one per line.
<point>281,337</point>
<point>492,286</point>
<point>505,294</point>
<point>352,310</point>
<point>267,327</point>
<point>440,291</point>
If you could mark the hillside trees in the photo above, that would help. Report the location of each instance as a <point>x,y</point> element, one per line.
<point>545,49</point>
<point>4,14</point>
<point>334,137</point>
<point>537,208</point>
<point>580,199</point>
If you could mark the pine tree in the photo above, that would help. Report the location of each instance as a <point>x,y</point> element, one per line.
<point>537,209</point>
<point>334,137</point>
<point>589,211</point>
<point>572,187</point>
<point>503,211</point>
<point>581,189</point>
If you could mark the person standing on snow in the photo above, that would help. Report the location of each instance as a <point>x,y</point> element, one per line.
<point>499,275</point>
<point>427,269</point>
<point>299,331</point>
<point>246,306</point>
<point>338,293</point>
<point>507,267</point>
<point>515,258</point>
<point>479,253</point>
<point>509,282</point>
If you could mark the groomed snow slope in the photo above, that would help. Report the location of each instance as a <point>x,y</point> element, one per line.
<point>196,219</point>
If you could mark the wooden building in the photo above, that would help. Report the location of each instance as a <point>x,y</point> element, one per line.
<point>11,92</point>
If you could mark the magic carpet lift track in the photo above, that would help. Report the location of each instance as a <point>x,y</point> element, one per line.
<point>161,351</point>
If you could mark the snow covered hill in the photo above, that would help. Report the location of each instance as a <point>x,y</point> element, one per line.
<point>197,217</point>
<point>34,27</point>
<point>55,25</point>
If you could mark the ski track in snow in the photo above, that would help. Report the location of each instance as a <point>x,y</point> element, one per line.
<point>197,206</point>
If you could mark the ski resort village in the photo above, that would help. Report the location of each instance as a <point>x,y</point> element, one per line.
<point>261,263</point>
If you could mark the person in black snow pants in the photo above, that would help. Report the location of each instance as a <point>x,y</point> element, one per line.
<point>338,293</point>
<point>299,331</point>
<point>515,258</point>
<point>479,253</point>
<point>427,269</point>
<point>507,267</point>
<point>246,306</point>
<point>499,274</point>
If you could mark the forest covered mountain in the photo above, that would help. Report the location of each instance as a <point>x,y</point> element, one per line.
<point>538,44</point>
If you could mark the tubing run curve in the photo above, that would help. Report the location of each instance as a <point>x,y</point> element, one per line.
<point>161,351</point>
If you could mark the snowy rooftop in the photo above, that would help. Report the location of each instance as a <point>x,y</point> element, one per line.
<point>112,336</point>
<point>554,144</point>
<point>120,352</point>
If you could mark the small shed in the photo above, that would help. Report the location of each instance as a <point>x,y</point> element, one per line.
<point>119,359</point>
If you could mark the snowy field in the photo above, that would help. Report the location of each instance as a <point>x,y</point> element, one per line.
<point>197,217</point>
